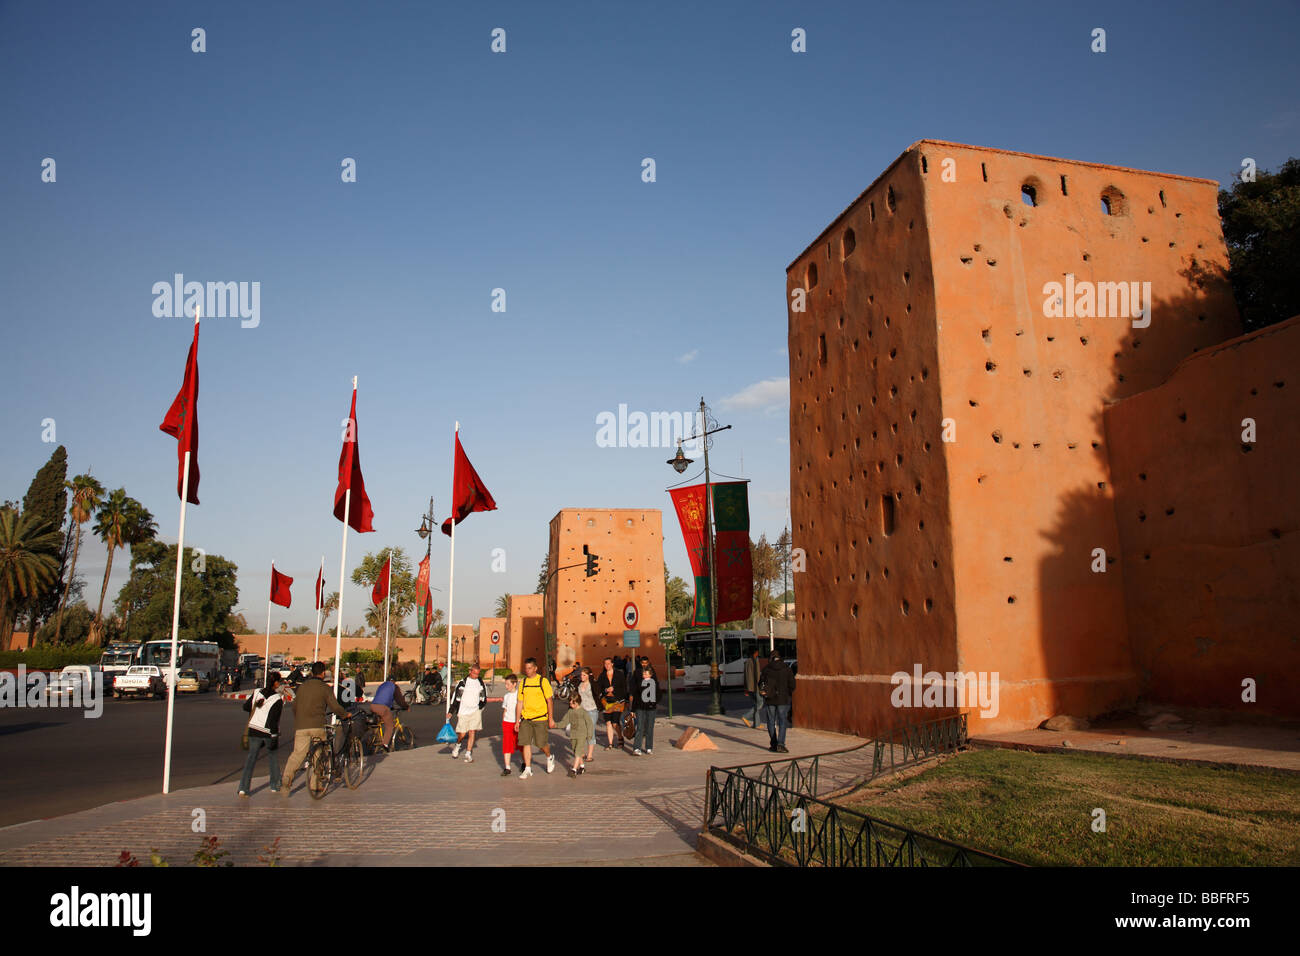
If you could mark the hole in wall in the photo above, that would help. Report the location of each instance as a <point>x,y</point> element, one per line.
<point>1028,195</point>
<point>1063,190</point>
<point>890,201</point>
<point>810,275</point>
<point>848,243</point>
<point>984,171</point>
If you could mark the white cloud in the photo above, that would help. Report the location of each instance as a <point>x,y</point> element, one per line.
<point>689,356</point>
<point>767,395</point>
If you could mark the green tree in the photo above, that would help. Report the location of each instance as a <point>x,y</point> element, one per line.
<point>329,607</point>
<point>1261,228</point>
<point>44,503</point>
<point>679,603</point>
<point>122,523</point>
<point>543,574</point>
<point>73,627</point>
<point>767,571</point>
<point>784,556</point>
<point>208,597</point>
<point>28,563</point>
<point>86,495</point>
<point>403,591</point>
<point>503,606</point>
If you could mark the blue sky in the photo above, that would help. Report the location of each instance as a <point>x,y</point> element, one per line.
<point>519,171</point>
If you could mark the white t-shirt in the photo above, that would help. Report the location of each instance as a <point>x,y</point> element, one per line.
<point>508,703</point>
<point>469,696</point>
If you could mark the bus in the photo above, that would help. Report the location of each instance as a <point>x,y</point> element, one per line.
<point>201,656</point>
<point>115,660</point>
<point>696,650</point>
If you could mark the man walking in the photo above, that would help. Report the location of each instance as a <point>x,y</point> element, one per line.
<point>751,690</point>
<point>467,702</point>
<point>535,717</point>
<point>314,698</point>
<point>776,684</point>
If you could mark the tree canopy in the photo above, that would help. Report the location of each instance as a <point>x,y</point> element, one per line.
<point>209,593</point>
<point>1261,227</point>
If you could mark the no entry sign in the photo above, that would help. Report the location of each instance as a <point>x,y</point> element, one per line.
<point>630,615</point>
<point>496,637</point>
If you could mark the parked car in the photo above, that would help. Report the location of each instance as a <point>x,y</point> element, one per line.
<point>141,680</point>
<point>72,677</point>
<point>190,681</point>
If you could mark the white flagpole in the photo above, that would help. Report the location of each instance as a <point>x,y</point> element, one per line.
<point>266,661</point>
<point>451,573</point>
<point>320,600</point>
<point>343,561</point>
<point>176,612</point>
<point>388,613</point>
<point>176,623</point>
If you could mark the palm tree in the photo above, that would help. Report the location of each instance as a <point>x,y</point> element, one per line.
<point>28,563</point>
<point>329,607</point>
<point>503,606</point>
<point>86,495</point>
<point>122,522</point>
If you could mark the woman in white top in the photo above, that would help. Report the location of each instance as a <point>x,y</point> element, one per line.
<point>588,699</point>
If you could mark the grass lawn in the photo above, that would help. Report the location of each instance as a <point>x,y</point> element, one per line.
<point>1038,809</point>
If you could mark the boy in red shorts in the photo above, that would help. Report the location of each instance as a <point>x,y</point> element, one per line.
<point>509,735</point>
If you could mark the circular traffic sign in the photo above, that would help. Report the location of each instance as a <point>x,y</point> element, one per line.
<point>496,637</point>
<point>630,615</point>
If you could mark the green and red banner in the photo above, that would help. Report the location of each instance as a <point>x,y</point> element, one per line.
<point>423,613</point>
<point>732,562</point>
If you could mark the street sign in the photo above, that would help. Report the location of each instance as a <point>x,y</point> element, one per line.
<point>631,638</point>
<point>630,615</point>
<point>494,648</point>
<point>668,636</point>
<point>496,639</point>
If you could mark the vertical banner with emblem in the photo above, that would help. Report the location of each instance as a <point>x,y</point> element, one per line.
<point>689,503</point>
<point>733,563</point>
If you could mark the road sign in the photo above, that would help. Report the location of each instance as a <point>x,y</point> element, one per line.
<point>494,648</point>
<point>496,639</point>
<point>668,635</point>
<point>630,615</point>
<point>631,638</point>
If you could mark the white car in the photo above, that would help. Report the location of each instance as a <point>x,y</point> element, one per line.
<point>72,678</point>
<point>141,680</point>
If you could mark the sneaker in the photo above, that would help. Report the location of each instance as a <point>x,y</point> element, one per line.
<point>244,794</point>
<point>505,772</point>
<point>455,751</point>
<point>528,772</point>
<point>573,773</point>
<point>550,763</point>
<point>649,751</point>
<point>746,722</point>
<point>772,747</point>
<point>469,756</point>
<point>781,749</point>
<point>636,752</point>
<point>582,769</point>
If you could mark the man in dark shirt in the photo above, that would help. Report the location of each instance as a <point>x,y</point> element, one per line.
<point>777,684</point>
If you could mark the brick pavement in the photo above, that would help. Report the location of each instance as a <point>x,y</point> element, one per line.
<point>422,808</point>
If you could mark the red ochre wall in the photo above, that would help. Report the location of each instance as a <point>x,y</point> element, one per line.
<point>301,645</point>
<point>928,310</point>
<point>630,546</point>
<point>486,625</point>
<point>1209,522</point>
<point>524,636</point>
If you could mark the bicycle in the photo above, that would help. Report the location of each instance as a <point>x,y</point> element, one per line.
<point>402,736</point>
<point>325,765</point>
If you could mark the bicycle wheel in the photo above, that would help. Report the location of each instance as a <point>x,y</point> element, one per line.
<point>319,769</point>
<point>403,738</point>
<point>353,763</point>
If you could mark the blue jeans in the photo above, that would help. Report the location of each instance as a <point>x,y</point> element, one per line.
<point>644,738</point>
<point>756,715</point>
<point>255,744</point>
<point>778,719</point>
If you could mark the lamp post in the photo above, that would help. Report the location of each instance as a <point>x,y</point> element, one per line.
<point>680,463</point>
<point>425,531</point>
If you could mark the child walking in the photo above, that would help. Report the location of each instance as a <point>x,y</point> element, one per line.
<point>509,701</point>
<point>581,733</point>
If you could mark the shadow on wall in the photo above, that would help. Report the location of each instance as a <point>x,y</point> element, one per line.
<point>1087,650</point>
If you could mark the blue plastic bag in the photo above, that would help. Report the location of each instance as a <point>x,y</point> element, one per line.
<point>446,735</point>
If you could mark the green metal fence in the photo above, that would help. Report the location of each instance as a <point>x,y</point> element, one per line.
<point>907,744</point>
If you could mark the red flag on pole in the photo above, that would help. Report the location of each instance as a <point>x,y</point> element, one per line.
<point>182,423</point>
<point>469,494</point>
<point>361,514</point>
<point>427,608</point>
<point>280,588</point>
<point>320,588</point>
<point>380,590</point>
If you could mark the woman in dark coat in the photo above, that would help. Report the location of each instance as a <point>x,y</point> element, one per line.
<point>611,691</point>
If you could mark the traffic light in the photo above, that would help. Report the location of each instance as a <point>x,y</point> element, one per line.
<point>592,567</point>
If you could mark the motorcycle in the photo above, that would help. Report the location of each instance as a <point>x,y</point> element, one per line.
<point>430,693</point>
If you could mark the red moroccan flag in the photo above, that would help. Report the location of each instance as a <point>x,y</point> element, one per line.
<point>426,612</point>
<point>360,514</point>
<point>280,587</point>
<point>469,494</point>
<point>182,423</point>
<point>320,588</point>
<point>380,590</point>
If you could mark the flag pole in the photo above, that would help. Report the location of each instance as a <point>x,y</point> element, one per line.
<point>320,602</point>
<point>388,612</point>
<point>176,612</point>
<point>451,573</point>
<point>176,622</point>
<point>343,561</point>
<point>266,661</point>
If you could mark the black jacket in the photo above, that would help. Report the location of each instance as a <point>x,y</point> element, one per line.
<point>639,687</point>
<point>454,706</point>
<point>272,720</point>
<point>779,682</point>
<point>602,685</point>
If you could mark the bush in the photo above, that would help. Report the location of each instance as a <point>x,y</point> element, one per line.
<point>52,656</point>
<point>76,626</point>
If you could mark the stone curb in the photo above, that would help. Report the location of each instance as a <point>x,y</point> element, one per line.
<point>722,853</point>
